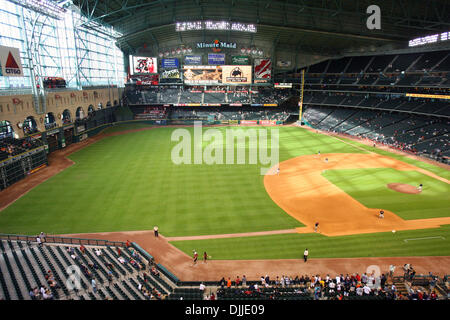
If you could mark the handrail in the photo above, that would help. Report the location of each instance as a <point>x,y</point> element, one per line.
<point>63,240</point>
<point>22,154</point>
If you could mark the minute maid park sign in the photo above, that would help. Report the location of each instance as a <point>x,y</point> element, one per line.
<point>216,45</point>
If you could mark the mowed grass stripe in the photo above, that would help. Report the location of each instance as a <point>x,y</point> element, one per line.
<point>291,246</point>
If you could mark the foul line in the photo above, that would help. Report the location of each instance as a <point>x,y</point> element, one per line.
<point>440,237</point>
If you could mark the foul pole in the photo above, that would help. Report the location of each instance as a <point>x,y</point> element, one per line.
<point>300,103</point>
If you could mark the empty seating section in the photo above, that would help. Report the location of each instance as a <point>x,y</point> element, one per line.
<point>380,101</point>
<point>150,96</point>
<point>334,99</point>
<point>187,96</point>
<point>338,65</point>
<point>358,64</point>
<point>368,79</point>
<point>164,95</point>
<point>409,132</point>
<point>402,62</point>
<point>410,69</point>
<point>380,63</point>
<point>318,67</point>
<point>444,65</point>
<point>429,60</point>
<point>214,96</point>
<point>169,95</point>
<point>408,80</point>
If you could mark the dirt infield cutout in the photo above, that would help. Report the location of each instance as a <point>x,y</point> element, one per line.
<point>403,188</point>
<point>302,192</point>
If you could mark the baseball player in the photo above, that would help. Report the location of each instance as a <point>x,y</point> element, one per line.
<point>316,227</point>
<point>195,257</point>
<point>381,215</point>
<point>278,171</point>
<point>420,187</point>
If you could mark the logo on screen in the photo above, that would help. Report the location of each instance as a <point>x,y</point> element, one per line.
<point>145,65</point>
<point>236,75</point>
<point>217,46</point>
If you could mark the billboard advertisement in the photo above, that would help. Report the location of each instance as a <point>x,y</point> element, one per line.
<point>10,63</point>
<point>236,74</point>
<point>249,122</point>
<point>193,60</point>
<point>202,74</point>
<point>216,58</point>
<point>240,60</point>
<point>143,65</point>
<point>151,80</point>
<point>263,70</point>
<point>171,63</point>
<point>170,74</point>
<point>283,63</point>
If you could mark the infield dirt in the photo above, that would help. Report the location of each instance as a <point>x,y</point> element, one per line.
<point>302,192</point>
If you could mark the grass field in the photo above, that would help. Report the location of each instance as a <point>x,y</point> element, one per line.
<point>368,186</point>
<point>128,182</point>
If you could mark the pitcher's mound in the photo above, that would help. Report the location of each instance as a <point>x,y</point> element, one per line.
<point>404,188</point>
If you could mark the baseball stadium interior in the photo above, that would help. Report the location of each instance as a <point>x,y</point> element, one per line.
<point>72,68</point>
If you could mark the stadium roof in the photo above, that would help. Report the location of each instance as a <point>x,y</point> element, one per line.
<point>319,27</point>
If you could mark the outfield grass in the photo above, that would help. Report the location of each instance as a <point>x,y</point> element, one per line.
<point>369,187</point>
<point>291,246</point>
<point>444,173</point>
<point>128,182</point>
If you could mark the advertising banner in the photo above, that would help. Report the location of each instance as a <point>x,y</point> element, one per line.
<point>283,63</point>
<point>249,122</point>
<point>193,60</point>
<point>267,122</point>
<point>143,65</point>
<point>282,85</point>
<point>202,74</point>
<point>240,60</point>
<point>170,74</point>
<point>236,74</point>
<point>171,63</point>
<point>216,58</point>
<point>263,70</point>
<point>10,63</point>
<point>151,80</point>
